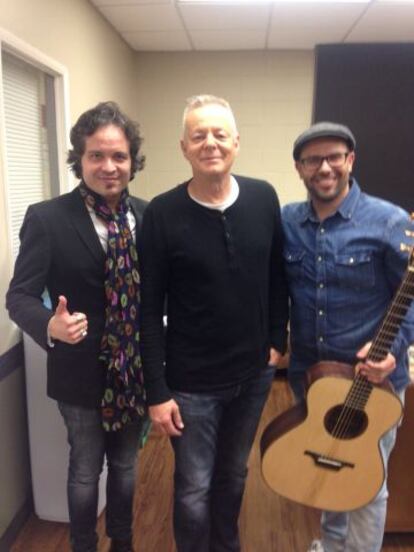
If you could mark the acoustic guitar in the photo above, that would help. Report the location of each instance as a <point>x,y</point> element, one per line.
<point>325,452</point>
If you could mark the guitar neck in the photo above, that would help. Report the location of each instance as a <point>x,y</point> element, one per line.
<point>361,387</point>
<point>392,321</point>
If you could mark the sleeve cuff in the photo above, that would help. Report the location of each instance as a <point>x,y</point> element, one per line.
<point>157,392</point>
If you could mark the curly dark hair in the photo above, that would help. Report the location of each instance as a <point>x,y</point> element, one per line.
<point>105,113</point>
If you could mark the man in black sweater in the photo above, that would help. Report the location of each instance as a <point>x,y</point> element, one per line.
<point>212,249</point>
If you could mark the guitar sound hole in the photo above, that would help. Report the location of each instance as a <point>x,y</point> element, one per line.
<point>343,422</point>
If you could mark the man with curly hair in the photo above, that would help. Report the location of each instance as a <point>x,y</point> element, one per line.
<point>81,248</point>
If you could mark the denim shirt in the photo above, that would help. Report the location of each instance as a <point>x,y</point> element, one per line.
<point>342,275</point>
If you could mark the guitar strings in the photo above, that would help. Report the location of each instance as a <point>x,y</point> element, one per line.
<point>354,402</point>
<point>361,388</point>
<point>360,392</point>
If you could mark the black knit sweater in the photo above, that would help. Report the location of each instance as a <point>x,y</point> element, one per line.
<point>222,277</point>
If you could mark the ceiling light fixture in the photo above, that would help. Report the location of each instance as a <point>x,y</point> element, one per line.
<point>252,2</point>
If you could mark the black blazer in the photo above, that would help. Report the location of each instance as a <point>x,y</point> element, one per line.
<point>60,250</point>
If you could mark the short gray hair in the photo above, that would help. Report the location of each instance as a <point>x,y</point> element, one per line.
<point>200,100</point>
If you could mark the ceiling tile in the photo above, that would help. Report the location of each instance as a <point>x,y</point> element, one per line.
<point>143,18</point>
<point>303,25</point>
<point>128,2</point>
<point>228,40</point>
<point>158,41</point>
<point>225,17</point>
<point>385,22</point>
<point>280,25</point>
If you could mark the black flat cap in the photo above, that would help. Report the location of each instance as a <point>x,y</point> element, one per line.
<point>325,129</point>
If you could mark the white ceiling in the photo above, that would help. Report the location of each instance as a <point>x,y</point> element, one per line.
<point>169,25</point>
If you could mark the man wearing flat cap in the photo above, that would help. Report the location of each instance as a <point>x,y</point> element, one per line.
<point>344,264</point>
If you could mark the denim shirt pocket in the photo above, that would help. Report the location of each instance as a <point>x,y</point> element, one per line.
<point>294,263</point>
<point>355,270</point>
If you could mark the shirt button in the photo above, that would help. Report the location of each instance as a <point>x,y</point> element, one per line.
<point>321,285</point>
<point>321,313</point>
<point>320,338</point>
<point>351,260</point>
<point>319,259</point>
<point>322,230</point>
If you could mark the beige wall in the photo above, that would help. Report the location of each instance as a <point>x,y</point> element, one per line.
<point>77,36</point>
<point>100,66</point>
<point>271,95</point>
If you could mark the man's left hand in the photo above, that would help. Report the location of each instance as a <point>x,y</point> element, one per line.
<point>375,372</point>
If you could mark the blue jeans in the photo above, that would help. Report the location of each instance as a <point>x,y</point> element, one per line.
<point>211,463</point>
<point>89,444</point>
<point>361,530</point>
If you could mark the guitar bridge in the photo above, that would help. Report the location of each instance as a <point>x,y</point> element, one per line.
<point>327,462</point>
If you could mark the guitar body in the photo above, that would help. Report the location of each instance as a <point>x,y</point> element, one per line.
<point>317,456</point>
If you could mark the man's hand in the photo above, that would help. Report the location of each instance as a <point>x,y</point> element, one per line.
<point>166,418</point>
<point>274,357</point>
<point>375,372</point>
<point>69,328</point>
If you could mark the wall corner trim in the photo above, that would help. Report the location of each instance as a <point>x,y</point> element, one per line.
<point>11,360</point>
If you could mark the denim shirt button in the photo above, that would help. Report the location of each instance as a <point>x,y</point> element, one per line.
<point>321,285</point>
<point>351,260</point>
<point>321,338</point>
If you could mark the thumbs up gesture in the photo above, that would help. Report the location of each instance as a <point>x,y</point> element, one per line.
<point>67,327</point>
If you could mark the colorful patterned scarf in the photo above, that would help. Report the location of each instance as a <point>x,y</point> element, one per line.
<point>124,397</point>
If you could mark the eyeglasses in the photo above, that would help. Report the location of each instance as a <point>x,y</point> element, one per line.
<point>335,160</point>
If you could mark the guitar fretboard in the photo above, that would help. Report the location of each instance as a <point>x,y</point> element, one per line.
<point>361,387</point>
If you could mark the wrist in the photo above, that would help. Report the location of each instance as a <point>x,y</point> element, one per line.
<point>49,335</point>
